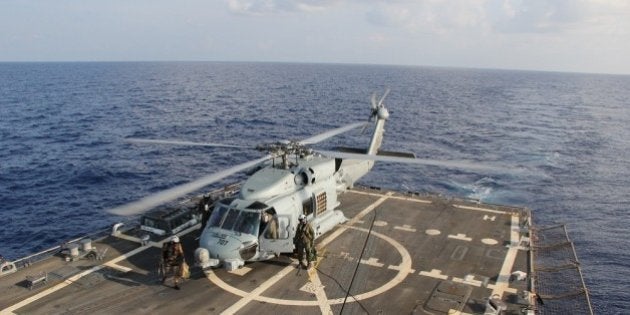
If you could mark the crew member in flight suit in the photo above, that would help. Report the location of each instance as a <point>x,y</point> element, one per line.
<point>172,260</point>
<point>303,240</point>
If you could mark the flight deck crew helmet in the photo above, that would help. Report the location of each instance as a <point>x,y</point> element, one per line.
<point>301,217</point>
<point>175,239</point>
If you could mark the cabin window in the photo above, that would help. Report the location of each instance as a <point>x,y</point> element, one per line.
<point>307,206</point>
<point>271,226</point>
<point>277,228</point>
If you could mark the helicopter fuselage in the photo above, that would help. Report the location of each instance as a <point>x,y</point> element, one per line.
<point>260,223</point>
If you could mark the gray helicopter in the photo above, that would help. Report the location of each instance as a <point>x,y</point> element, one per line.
<point>260,222</point>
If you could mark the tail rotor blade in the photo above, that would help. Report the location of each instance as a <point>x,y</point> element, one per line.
<point>374,104</point>
<point>380,103</point>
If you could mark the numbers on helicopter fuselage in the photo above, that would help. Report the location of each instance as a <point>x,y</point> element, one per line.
<point>222,242</point>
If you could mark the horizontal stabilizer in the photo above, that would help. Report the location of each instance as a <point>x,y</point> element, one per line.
<point>380,152</point>
<point>351,150</point>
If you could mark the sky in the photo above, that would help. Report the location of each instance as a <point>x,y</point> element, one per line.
<point>551,35</point>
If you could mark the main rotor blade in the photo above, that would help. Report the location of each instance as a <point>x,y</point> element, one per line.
<point>170,194</point>
<point>466,165</point>
<point>331,133</point>
<point>189,143</point>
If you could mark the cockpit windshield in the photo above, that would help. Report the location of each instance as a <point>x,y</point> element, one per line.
<point>235,220</point>
<point>248,222</point>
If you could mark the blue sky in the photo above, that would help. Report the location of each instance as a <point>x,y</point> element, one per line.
<point>559,35</point>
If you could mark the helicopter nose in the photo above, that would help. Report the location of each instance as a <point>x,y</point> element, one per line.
<point>226,246</point>
<point>222,248</point>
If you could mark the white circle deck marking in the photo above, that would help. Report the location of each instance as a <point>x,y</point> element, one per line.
<point>489,241</point>
<point>433,232</point>
<point>405,267</point>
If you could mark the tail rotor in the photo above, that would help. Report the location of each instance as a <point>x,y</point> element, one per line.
<point>376,107</point>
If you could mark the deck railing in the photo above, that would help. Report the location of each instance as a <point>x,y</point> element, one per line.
<point>558,281</point>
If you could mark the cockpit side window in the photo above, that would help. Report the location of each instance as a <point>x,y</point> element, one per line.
<point>217,217</point>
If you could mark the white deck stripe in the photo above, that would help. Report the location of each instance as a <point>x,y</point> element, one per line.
<point>324,306</point>
<point>117,267</point>
<point>392,197</point>
<point>259,290</point>
<point>354,220</point>
<point>479,209</point>
<point>128,238</point>
<point>503,279</point>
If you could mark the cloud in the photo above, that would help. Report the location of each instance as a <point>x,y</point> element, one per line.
<point>432,16</point>
<point>501,16</point>
<point>264,7</point>
<point>516,16</point>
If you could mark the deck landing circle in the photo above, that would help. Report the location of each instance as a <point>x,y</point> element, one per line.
<point>403,270</point>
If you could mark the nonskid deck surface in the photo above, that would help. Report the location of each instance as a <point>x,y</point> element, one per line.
<point>397,254</point>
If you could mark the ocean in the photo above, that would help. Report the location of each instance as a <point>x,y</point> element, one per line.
<point>562,139</point>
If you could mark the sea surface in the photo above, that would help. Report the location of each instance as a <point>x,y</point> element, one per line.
<point>562,140</point>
